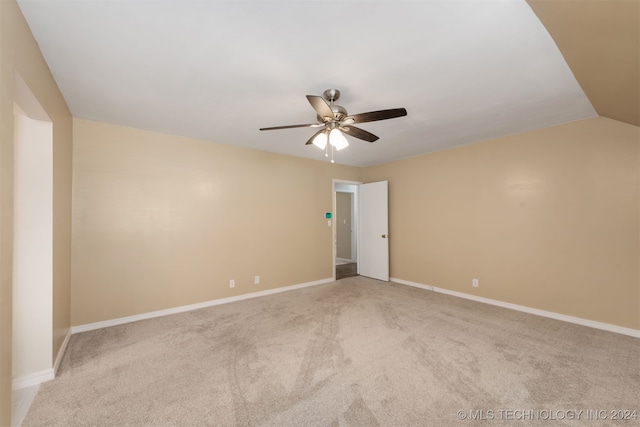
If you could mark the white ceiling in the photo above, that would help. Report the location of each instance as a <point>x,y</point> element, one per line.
<point>466,71</point>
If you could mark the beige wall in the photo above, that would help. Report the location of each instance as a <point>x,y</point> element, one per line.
<point>162,221</point>
<point>19,52</point>
<point>546,219</point>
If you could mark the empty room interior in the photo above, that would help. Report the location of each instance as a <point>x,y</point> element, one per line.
<point>184,183</point>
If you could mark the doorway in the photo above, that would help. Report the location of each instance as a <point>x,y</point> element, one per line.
<point>345,238</point>
<point>369,229</point>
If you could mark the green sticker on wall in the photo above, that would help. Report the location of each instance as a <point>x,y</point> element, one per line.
<point>327,215</point>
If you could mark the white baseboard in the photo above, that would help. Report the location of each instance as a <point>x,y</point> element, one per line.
<point>577,320</point>
<point>182,309</point>
<point>32,379</point>
<point>41,376</point>
<point>63,348</point>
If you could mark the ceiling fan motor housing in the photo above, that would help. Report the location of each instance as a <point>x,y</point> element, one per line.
<point>332,95</point>
<point>338,111</point>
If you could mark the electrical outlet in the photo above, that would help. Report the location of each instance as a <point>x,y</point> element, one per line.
<point>256,280</point>
<point>475,283</point>
<point>232,283</point>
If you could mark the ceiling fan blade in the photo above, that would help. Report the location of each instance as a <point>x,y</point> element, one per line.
<point>309,125</point>
<point>359,133</point>
<point>321,106</point>
<point>373,116</point>
<point>310,141</point>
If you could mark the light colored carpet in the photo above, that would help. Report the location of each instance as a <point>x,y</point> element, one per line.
<point>353,352</point>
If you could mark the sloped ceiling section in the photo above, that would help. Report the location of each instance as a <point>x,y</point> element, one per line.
<point>466,71</point>
<point>600,40</point>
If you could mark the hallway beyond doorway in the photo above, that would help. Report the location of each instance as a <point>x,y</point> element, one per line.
<point>346,270</point>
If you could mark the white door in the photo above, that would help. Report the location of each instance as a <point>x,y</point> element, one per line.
<point>374,230</point>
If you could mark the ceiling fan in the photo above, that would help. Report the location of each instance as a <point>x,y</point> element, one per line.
<point>334,121</point>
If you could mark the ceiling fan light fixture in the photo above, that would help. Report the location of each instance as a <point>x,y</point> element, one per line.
<point>320,140</point>
<point>337,139</point>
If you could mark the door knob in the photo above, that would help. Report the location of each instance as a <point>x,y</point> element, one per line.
<point>384,236</point>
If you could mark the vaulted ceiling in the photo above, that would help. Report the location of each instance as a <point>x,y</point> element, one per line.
<point>466,71</point>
